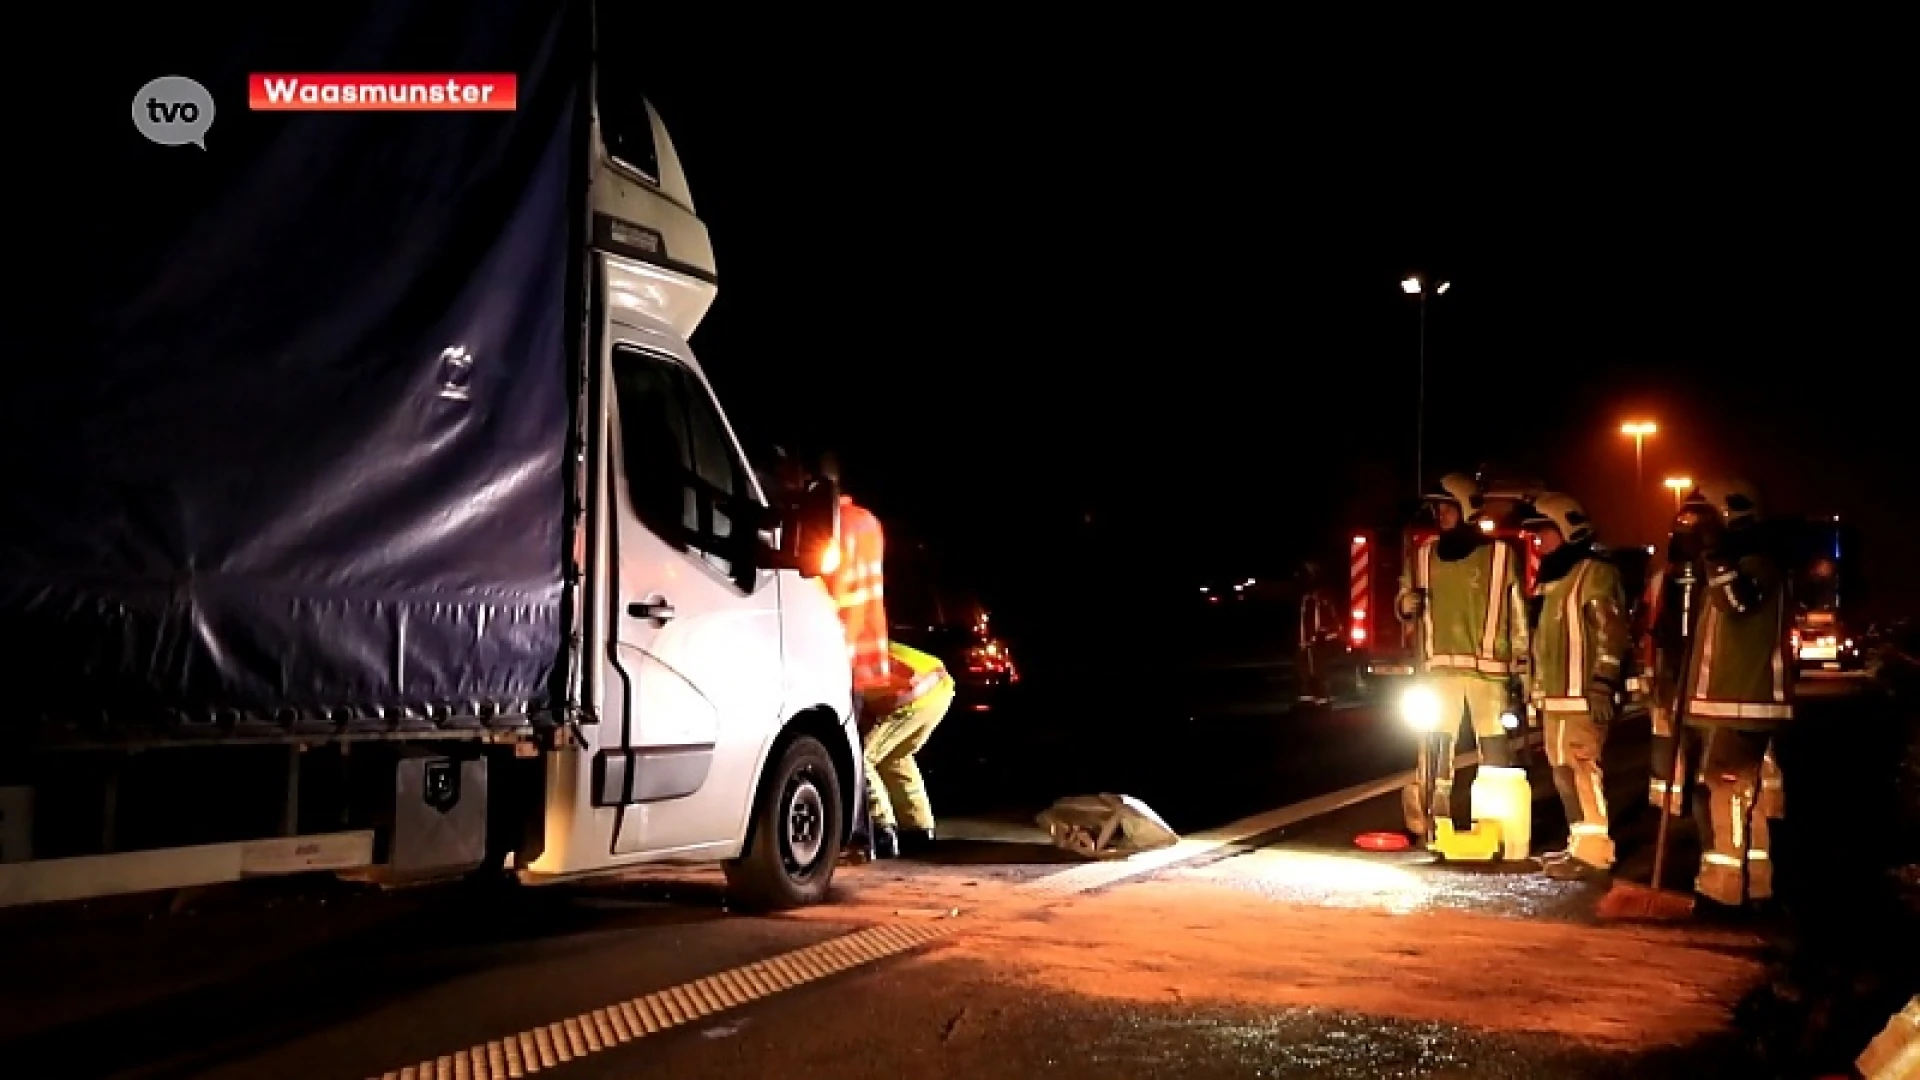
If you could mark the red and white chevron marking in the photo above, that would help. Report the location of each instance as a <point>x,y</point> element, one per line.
<point>1360,592</point>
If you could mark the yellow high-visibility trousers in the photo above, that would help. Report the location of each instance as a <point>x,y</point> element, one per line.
<point>1660,707</point>
<point>1574,746</point>
<point>1468,701</point>
<point>893,776</point>
<point>1737,864</point>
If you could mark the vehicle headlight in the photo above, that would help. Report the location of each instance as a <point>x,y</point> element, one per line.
<point>1420,708</point>
<point>1510,720</point>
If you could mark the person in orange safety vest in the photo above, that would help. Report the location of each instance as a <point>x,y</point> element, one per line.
<point>856,578</point>
<point>858,585</point>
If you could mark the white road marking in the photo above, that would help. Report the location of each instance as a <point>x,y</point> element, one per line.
<point>1099,875</point>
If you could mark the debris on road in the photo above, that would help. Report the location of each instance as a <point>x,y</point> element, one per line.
<point>1106,826</point>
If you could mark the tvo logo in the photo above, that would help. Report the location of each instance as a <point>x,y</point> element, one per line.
<point>174,110</point>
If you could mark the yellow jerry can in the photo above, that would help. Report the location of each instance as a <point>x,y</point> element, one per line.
<point>1478,844</point>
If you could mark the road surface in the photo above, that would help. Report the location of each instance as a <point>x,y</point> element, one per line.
<point>1264,945</point>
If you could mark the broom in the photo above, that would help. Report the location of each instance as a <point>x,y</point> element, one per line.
<point>1629,900</point>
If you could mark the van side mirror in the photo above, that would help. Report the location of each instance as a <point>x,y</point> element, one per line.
<point>803,528</point>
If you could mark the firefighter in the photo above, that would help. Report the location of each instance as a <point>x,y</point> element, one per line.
<point>1668,613</point>
<point>1320,636</point>
<point>1579,653</point>
<point>1737,691</point>
<point>1462,592</point>
<point>906,715</point>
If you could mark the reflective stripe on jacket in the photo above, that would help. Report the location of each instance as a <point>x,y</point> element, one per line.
<point>858,585</point>
<point>1474,619</point>
<point>915,675</point>
<point>1581,637</point>
<point>1740,670</point>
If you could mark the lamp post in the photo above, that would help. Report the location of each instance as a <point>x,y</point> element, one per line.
<point>1413,286</point>
<point>1679,485</point>
<point>1639,430</point>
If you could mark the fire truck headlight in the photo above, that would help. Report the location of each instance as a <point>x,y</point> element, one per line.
<point>1420,709</point>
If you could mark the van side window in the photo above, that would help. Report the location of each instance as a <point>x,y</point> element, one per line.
<point>686,483</point>
<point>719,469</point>
<point>654,445</point>
<point>624,124</point>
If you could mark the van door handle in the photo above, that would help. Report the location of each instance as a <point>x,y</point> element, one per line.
<point>655,610</point>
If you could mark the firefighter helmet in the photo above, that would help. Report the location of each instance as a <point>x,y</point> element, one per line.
<point>1562,512</point>
<point>1736,501</point>
<point>1461,490</point>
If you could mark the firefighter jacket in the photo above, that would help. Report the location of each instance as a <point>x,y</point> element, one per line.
<point>1580,645</point>
<point>1669,613</point>
<point>914,675</point>
<point>858,585</point>
<point>1473,620</point>
<point>1318,622</point>
<point>1739,668</point>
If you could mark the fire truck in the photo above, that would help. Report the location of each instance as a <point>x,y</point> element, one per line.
<point>1825,561</point>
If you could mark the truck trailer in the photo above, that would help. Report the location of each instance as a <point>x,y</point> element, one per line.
<point>367,511</point>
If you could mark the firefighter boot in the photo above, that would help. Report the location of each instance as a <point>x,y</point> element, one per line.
<point>914,842</point>
<point>886,842</point>
<point>1568,868</point>
<point>1563,783</point>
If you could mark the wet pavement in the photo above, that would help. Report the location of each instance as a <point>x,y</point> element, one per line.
<point>1262,952</point>
<point>952,1019</point>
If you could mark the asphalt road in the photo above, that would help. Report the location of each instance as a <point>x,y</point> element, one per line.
<point>1203,746</point>
<point>1263,946</point>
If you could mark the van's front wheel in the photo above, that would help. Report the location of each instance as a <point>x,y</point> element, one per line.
<point>797,833</point>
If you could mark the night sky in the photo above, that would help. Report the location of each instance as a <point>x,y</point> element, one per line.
<point>1156,297</point>
<point>1119,305</point>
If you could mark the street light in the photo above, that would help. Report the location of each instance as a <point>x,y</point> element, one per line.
<point>1413,286</point>
<point>1639,430</point>
<point>1679,485</point>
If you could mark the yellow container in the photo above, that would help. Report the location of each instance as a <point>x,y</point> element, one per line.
<point>1504,796</point>
<point>1478,844</point>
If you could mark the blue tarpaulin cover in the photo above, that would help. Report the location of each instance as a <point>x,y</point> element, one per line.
<point>289,434</point>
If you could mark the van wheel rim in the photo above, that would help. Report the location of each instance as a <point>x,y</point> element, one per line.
<point>805,820</point>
